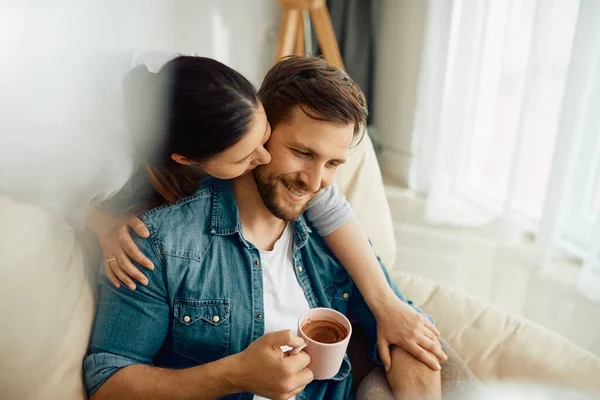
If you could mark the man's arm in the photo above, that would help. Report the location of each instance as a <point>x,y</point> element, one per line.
<point>261,369</point>
<point>209,381</point>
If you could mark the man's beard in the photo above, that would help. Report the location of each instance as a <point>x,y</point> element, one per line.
<point>267,188</point>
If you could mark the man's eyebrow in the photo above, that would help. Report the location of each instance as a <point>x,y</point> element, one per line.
<point>303,148</point>
<point>264,134</point>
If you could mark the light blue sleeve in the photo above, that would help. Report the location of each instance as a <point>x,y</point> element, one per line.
<point>131,325</point>
<point>328,211</point>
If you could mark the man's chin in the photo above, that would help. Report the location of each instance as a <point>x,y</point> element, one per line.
<point>286,210</point>
<point>278,199</point>
<point>286,213</point>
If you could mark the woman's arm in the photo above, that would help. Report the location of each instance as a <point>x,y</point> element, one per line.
<point>110,222</point>
<point>351,246</point>
<point>397,322</point>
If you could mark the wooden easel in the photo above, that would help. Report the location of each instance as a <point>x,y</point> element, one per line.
<point>291,32</point>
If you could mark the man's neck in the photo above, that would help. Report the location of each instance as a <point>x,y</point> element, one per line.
<point>259,226</point>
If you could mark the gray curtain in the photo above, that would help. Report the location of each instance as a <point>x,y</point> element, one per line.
<point>356,26</point>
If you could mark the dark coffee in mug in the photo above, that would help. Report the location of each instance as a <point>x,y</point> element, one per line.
<point>325,330</point>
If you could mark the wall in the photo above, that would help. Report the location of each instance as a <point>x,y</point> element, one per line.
<point>240,33</point>
<point>401,41</point>
<point>63,140</point>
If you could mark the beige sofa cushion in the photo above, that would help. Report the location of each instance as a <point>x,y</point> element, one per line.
<point>46,304</point>
<point>360,181</point>
<point>498,345</point>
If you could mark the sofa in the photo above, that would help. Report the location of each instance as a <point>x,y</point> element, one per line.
<point>47,301</point>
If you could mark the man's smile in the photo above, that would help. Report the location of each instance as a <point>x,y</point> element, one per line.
<point>298,194</point>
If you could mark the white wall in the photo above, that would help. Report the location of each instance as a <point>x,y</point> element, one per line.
<point>63,140</point>
<point>240,33</point>
<point>401,41</point>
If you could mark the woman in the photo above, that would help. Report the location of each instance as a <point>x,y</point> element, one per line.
<point>206,127</point>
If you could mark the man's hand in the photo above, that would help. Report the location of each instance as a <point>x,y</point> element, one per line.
<point>266,371</point>
<point>401,325</point>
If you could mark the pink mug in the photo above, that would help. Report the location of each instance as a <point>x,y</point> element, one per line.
<point>325,358</point>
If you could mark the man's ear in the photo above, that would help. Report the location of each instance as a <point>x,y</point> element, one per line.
<point>179,159</point>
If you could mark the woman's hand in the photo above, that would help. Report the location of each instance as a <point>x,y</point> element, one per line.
<point>401,325</point>
<point>118,247</point>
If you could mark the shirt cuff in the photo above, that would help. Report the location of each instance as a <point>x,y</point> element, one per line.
<point>99,367</point>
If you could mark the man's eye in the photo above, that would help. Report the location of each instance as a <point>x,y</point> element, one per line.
<point>332,165</point>
<point>302,153</point>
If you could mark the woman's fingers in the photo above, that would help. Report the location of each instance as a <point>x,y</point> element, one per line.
<point>433,348</point>
<point>110,274</point>
<point>131,270</point>
<point>118,270</point>
<point>432,336</point>
<point>425,357</point>
<point>130,248</point>
<point>428,324</point>
<point>384,354</point>
<point>138,227</point>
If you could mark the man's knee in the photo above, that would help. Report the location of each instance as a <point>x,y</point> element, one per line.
<point>410,378</point>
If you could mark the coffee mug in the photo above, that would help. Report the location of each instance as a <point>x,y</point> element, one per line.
<point>325,358</point>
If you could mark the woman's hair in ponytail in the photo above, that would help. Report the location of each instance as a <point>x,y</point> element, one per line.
<point>194,106</point>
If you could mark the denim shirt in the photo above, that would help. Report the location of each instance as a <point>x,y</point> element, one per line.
<point>204,300</point>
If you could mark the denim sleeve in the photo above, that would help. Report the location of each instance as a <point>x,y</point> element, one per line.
<point>130,325</point>
<point>360,312</point>
<point>328,211</point>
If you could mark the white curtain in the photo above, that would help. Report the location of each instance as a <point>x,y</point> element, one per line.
<point>507,125</point>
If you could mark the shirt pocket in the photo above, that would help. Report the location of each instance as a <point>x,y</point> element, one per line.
<point>201,329</point>
<point>339,295</point>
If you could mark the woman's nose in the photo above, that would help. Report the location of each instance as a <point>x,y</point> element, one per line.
<point>263,157</point>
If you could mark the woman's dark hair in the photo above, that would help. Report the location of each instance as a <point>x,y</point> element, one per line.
<point>194,106</point>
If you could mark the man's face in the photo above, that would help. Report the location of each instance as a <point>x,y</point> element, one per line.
<point>305,156</point>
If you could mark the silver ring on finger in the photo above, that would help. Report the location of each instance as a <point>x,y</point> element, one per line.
<point>108,260</point>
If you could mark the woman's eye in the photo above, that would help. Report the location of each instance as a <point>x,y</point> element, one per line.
<point>242,162</point>
<point>332,165</point>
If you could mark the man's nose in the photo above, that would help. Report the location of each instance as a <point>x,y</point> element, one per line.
<point>313,179</point>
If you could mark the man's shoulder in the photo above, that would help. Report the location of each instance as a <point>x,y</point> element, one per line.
<point>190,210</point>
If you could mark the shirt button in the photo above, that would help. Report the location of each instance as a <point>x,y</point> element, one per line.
<point>256,263</point>
<point>258,316</point>
<point>186,318</point>
<point>300,268</point>
<point>216,318</point>
<point>345,295</point>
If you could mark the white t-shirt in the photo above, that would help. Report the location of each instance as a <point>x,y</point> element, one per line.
<point>284,300</point>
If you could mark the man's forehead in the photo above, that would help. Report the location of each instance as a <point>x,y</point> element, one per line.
<point>302,129</point>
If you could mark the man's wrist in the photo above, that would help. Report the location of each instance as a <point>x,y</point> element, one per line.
<point>233,374</point>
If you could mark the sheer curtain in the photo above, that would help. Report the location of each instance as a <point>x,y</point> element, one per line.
<point>507,125</point>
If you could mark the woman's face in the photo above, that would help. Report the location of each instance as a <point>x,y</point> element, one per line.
<point>243,156</point>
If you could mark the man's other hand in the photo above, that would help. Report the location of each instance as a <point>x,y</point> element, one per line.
<point>266,371</point>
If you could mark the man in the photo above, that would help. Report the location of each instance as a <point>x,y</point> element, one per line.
<point>227,271</point>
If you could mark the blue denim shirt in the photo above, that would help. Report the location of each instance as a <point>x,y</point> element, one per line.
<point>205,268</point>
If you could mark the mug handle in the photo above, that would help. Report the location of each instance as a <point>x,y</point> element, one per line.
<point>298,349</point>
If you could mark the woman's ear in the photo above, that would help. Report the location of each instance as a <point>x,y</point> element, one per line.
<point>179,159</point>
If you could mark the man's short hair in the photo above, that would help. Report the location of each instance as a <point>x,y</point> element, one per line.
<point>322,91</point>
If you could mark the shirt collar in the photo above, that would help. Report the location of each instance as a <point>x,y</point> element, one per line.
<point>225,218</point>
